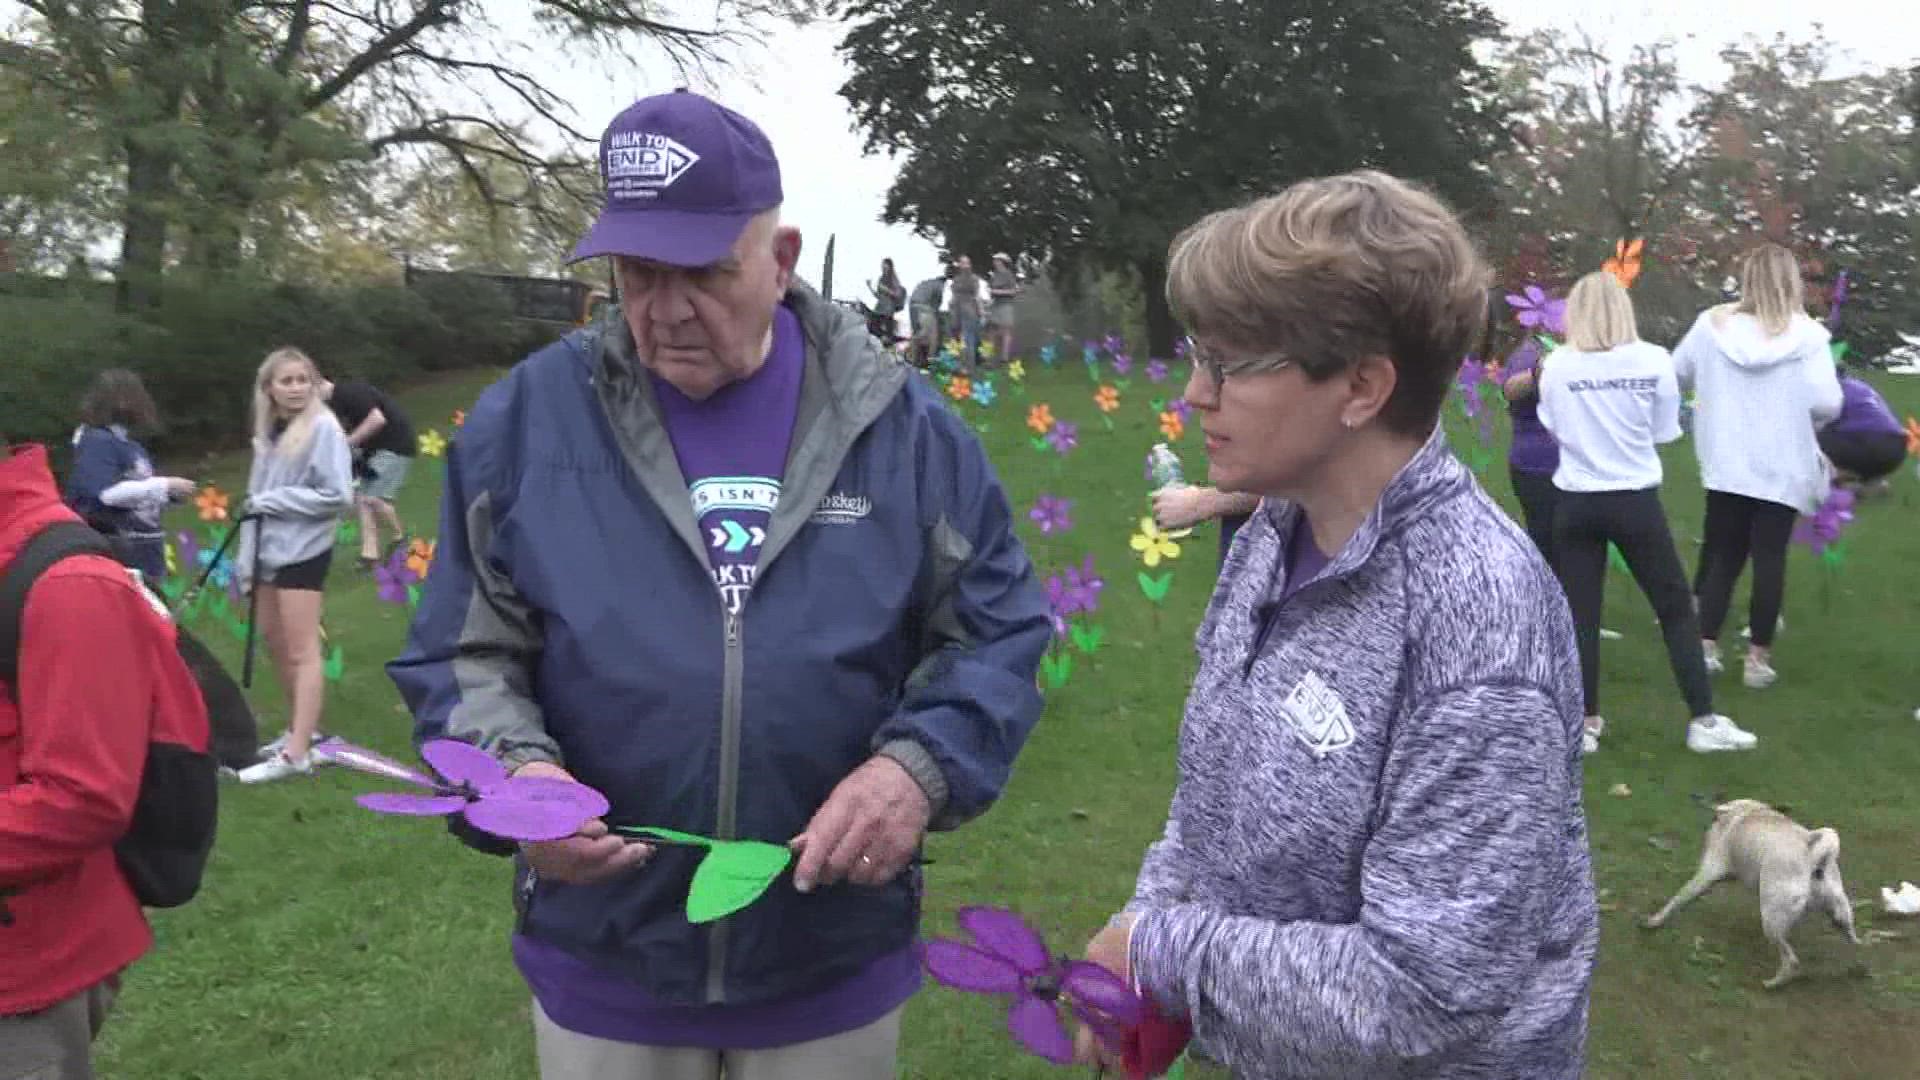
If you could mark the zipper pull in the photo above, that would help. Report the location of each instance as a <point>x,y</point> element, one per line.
<point>733,631</point>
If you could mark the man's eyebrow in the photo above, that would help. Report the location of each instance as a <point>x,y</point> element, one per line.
<point>731,262</point>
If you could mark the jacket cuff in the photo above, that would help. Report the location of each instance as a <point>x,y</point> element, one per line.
<point>1157,948</point>
<point>925,771</point>
<point>527,754</point>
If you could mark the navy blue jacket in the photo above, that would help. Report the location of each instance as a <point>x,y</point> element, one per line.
<point>571,617</point>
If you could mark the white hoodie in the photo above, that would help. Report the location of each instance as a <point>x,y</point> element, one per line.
<point>1759,401</point>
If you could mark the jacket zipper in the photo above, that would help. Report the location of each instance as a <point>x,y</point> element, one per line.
<point>725,822</point>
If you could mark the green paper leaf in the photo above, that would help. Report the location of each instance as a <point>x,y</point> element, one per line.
<point>1155,587</point>
<point>1088,639</point>
<point>1158,405</point>
<point>1123,385</point>
<point>1179,1070</point>
<point>336,664</point>
<point>1057,668</point>
<point>1040,444</point>
<point>664,834</point>
<point>734,874</point>
<point>413,595</point>
<point>1107,420</point>
<point>1839,351</point>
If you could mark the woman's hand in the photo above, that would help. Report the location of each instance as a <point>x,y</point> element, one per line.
<point>1180,506</point>
<point>1109,950</point>
<point>179,487</point>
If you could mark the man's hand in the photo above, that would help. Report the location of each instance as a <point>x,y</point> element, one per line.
<point>590,855</point>
<point>866,832</point>
<point>1180,506</point>
<point>1109,950</point>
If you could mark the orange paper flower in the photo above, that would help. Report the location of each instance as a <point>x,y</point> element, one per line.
<point>960,389</point>
<point>1625,264</point>
<point>420,557</point>
<point>1913,437</point>
<point>1107,398</point>
<point>1040,419</point>
<point>1171,426</point>
<point>212,503</point>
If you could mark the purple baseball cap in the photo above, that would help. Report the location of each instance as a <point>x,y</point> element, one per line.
<point>683,177</point>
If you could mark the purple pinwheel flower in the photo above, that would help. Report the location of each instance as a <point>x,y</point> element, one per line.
<point>1182,409</point>
<point>1535,310</point>
<point>1823,529</point>
<point>1008,957</point>
<point>474,783</point>
<point>1064,436</point>
<point>1060,606</point>
<point>1156,371</point>
<point>1083,586</point>
<point>1051,514</point>
<point>393,577</point>
<point>1122,363</point>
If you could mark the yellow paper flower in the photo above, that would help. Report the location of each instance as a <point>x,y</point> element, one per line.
<point>1017,370</point>
<point>960,389</point>
<point>432,443</point>
<point>986,350</point>
<point>1171,425</point>
<point>1107,398</point>
<point>212,503</point>
<point>1152,544</point>
<point>420,557</point>
<point>1040,418</point>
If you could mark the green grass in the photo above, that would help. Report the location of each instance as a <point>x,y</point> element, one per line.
<point>334,945</point>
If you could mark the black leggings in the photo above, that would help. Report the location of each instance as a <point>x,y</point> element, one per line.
<point>1538,498</point>
<point>1634,522</point>
<point>1737,527</point>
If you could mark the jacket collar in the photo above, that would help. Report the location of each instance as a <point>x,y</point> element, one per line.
<point>29,500</point>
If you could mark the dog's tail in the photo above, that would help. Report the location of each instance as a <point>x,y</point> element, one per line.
<point>1824,846</point>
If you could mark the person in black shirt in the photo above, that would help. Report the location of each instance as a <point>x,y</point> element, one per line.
<point>384,445</point>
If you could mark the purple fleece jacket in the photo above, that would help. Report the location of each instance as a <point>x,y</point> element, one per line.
<point>1376,860</point>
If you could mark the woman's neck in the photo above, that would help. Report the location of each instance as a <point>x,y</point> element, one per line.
<point>1350,485</point>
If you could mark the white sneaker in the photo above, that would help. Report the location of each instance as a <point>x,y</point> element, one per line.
<point>1759,674</point>
<point>279,743</point>
<point>277,767</point>
<point>1716,733</point>
<point>1711,650</point>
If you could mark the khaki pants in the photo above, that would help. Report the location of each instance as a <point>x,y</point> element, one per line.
<point>866,1053</point>
<point>56,1043</point>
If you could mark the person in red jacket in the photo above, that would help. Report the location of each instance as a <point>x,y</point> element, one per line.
<point>71,754</point>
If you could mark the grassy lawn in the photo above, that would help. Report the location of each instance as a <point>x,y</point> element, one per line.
<point>335,945</point>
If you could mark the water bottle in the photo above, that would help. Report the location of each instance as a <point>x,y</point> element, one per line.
<point>1167,473</point>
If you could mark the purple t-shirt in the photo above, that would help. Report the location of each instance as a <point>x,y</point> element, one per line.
<point>1863,411</point>
<point>732,449</point>
<point>1533,450</point>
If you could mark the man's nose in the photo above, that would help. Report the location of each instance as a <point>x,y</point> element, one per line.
<point>671,299</point>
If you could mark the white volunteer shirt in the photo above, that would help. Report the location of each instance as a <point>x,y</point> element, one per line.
<point>1610,412</point>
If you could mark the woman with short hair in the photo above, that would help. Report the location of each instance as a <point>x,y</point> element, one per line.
<point>112,482</point>
<point>1375,862</point>
<point>1763,373</point>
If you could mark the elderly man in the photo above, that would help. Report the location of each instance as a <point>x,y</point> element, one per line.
<point>727,561</point>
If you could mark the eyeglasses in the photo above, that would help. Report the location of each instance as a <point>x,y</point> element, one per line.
<point>1218,367</point>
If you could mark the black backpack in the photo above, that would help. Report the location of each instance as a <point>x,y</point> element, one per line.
<point>165,850</point>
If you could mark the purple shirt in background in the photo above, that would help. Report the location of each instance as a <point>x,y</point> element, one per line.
<point>1533,450</point>
<point>732,449</point>
<point>1863,411</point>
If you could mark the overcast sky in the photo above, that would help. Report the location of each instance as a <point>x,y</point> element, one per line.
<point>790,87</point>
<point>833,189</point>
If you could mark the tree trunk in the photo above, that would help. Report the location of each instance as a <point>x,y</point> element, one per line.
<point>1162,330</point>
<point>143,237</point>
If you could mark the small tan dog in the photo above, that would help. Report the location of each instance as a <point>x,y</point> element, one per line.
<point>1791,866</point>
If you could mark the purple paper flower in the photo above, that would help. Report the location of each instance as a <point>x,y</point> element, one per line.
<point>1064,436</point>
<point>1535,310</point>
<point>1156,371</point>
<point>1008,957</point>
<point>1472,373</point>
<point>474,784</point>
<point>1182,409</point>
<point>1122,363</point>
<point>1083,587</point>
<point>1181,348</point>
<point>1114,343</point>
<point>1823,529</point>
<point>1051,514</point>
<point>393,577</point>
<point>1060,605</point>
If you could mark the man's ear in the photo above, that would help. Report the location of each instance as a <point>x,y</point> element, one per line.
<point>786,251</point>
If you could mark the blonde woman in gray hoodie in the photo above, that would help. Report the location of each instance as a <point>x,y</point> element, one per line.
<point>300,485</point>
<point>1764,377</point>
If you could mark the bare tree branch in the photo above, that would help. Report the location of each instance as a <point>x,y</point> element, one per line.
<point>431,13</point>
